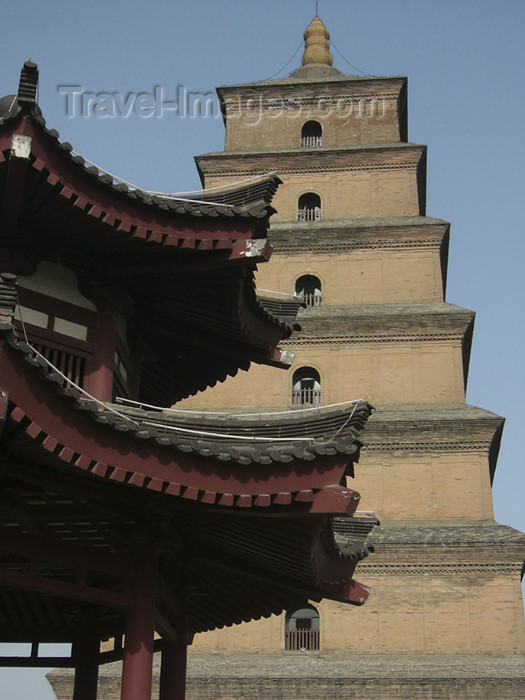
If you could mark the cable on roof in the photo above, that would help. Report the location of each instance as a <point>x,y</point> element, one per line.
<point>342,427</point>
<point>368,75</point>
<point>286,64</point>
<point>184,411</point>
<point>218,187</point>
<point>166,428</point>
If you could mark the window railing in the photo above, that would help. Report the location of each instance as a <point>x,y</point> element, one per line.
<point>311,141</point>
<point>307,214</point>
<point>297,640</point>
<point>311,298</point>
<point>306,397</point>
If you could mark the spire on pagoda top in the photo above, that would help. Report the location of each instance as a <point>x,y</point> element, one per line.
<point>317,44</point>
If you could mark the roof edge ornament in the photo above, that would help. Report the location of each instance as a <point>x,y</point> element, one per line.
<point>27,88</point>
<point>316,43</point>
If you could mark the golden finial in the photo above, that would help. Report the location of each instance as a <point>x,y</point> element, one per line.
<point>316,43</point>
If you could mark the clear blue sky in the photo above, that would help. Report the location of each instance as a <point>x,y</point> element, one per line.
<point>464,60</point>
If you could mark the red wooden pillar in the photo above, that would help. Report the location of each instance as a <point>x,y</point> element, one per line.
<point>100,380</point>
<point>140,628</point>
<point>85,652</point>
<point>173,662</point>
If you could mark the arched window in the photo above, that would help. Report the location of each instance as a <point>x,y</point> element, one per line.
<point>311,135</point>
<point>302,630</point>
<point>306,387</point>
<point>309,207</point>
<point>308,288</point>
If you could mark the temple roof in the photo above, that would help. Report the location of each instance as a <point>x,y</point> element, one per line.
<point>249,199</point>
<point>252,504</point>
<point>236,512</point>
<point>231,442</point>
<point>143,249</point>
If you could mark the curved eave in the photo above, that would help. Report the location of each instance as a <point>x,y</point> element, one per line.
<point>254,191</point>
<point>71,440</point>
<point>241,566</point>
<point>56,190</point>
<point>63,212</point>
<point>268,565</point>
<point>242,202</point>
<point>211,323</point>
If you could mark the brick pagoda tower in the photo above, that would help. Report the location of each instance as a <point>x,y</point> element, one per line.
<point>351,237</point>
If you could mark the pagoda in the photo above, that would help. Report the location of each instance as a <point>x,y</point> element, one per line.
<point>353,243</point>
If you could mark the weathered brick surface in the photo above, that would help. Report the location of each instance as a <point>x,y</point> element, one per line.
<point>439,607</point>
<point>346,676</point>
<point>357,183</point>
<point>407,371</point>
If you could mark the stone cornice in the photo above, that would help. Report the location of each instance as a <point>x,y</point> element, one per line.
<point>455,428</point>
<point>447,534</point>
<point>338,85</point>
<point>382,324</point>
<point>330,236</point>
<point>451,548</point>
<point>400,223</point>
<point>337,159</point>
<point>451,570</point>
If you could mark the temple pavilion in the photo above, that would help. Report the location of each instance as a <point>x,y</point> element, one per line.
<point>127,527</point>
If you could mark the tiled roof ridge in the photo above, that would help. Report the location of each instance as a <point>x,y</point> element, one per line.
<point>179,206</point>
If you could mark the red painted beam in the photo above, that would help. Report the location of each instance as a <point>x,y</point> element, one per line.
<point>85,652</point>
<point>38,662</point>
<point>137,669</point>
<point>174,659</point>
<point>352,592</point>
<point>64,589</point>
<point>334,500</point>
